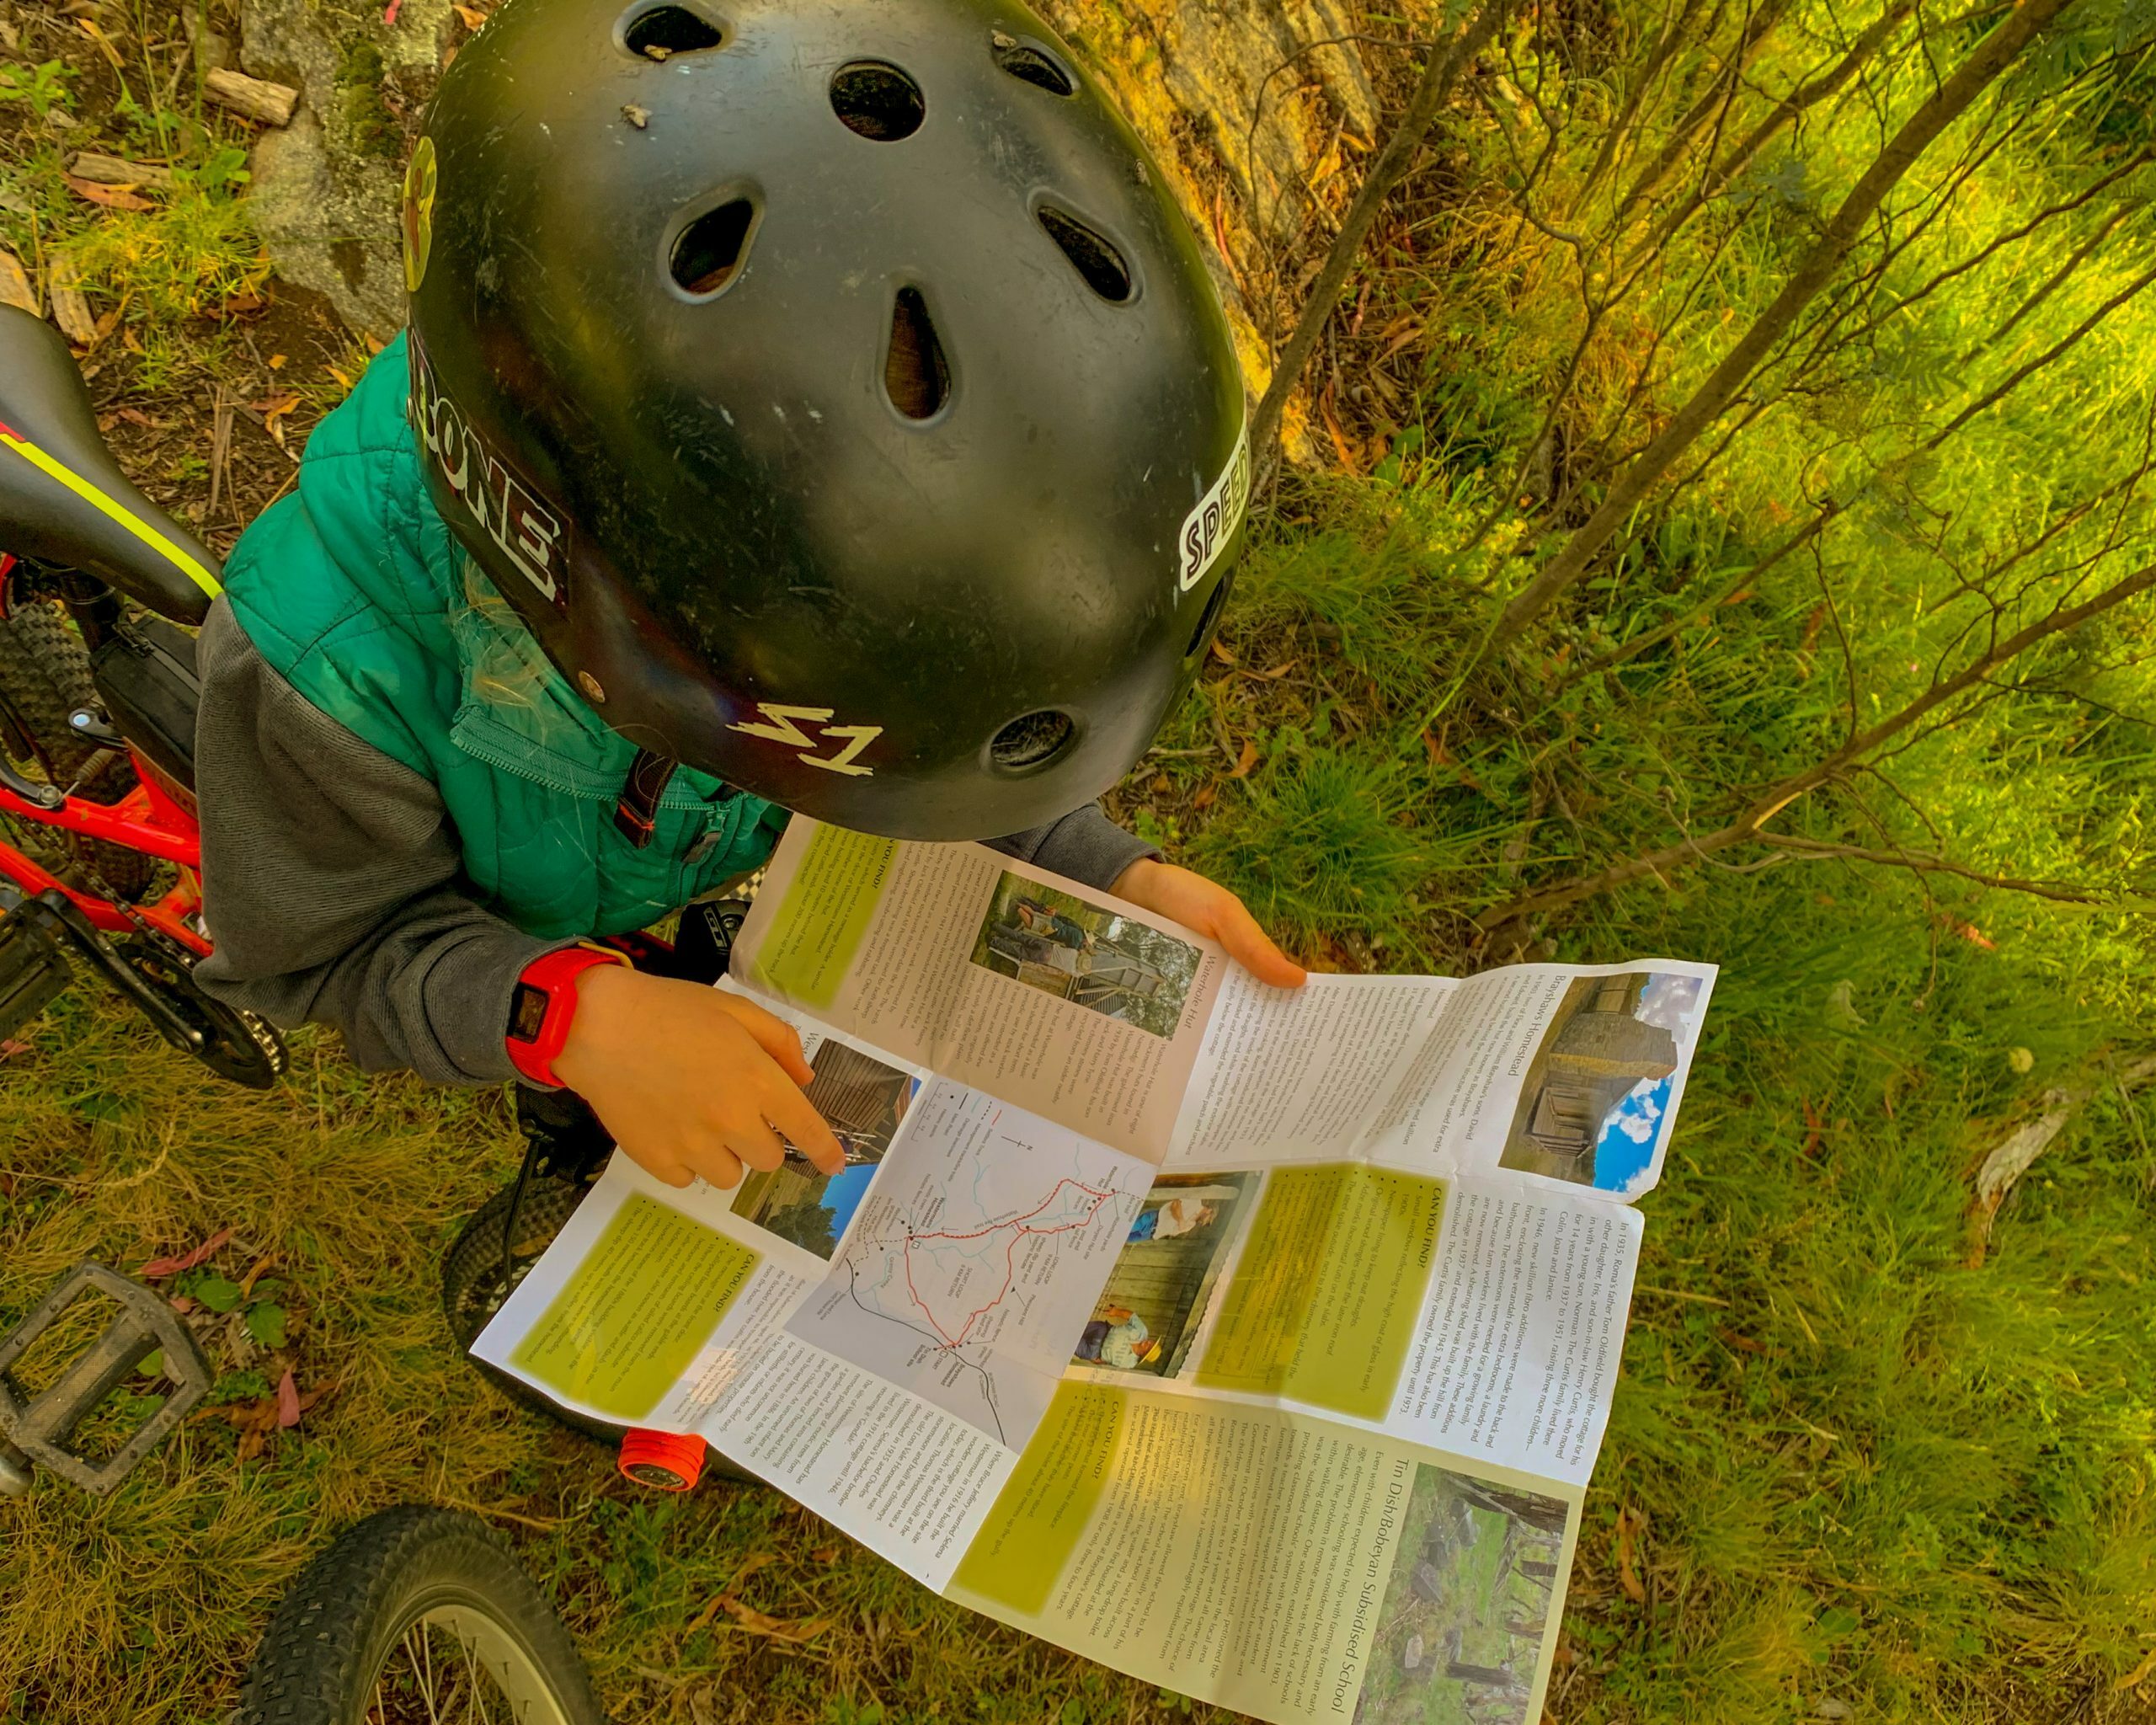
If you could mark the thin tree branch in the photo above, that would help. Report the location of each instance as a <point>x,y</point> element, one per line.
<point>1927,862</point>
<point>1778,797</point>
<point>1389,168</point>
<point>1984,66</point>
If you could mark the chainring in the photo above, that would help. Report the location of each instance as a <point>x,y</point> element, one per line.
<point>236,1044</point>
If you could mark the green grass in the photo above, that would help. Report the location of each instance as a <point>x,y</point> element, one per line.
<point>1867,1466</point>
<point>145,1608</point>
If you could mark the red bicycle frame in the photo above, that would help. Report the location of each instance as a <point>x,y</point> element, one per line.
<point>147,819</point>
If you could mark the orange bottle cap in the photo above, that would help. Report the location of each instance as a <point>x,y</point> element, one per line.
<point>662,1459</point>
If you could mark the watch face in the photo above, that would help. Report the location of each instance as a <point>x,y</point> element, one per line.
<point>527,1011</point>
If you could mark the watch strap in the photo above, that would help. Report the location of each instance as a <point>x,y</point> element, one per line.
<point>543,1005</point>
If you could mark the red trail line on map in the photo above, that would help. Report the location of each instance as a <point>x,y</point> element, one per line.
<point>1019,1231</point>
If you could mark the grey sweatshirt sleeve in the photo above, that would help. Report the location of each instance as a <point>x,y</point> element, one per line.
<point>1085,845</point>
<point>331,880</point>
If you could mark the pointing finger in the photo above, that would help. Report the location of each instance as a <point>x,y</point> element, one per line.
<point>803,1127</point>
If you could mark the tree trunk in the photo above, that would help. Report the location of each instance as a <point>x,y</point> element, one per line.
<point>1992,57</point>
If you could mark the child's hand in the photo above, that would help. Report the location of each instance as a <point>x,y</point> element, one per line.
<point>1197,903</point>
<point>691,1080</point>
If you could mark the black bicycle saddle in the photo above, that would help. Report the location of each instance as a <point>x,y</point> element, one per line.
<point>64,500</point>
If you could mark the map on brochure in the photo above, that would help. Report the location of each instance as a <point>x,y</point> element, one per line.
<point>1257,1343</point>
<point>985,1228</point>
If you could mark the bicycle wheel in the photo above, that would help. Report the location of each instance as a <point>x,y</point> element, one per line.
<point>416,1616</point>
<point>473,1286</point>
<point>44,675</point>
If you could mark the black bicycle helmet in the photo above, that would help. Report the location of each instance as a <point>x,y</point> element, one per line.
<point>834,389</point>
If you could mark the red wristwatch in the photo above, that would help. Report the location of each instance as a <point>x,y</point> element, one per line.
<point>543,1005</point>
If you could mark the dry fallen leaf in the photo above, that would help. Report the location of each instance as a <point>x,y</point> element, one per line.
<point>288,1401</point>
<point>1245,762</point>
<point>187,1260</point>
<point>826,1554</point>
<point>1629,1523</point>
<point>472,19</point>
<point>15,288</point>
<point>1340,446</point>
<point>1221,653</point>
<point>750,1564</point>
<point>71,309</point>
<point>1205,795</point>
<point>2133,1677</point>
<point>113,197</point>
<point>273,409</point>
<point>757,1623</point>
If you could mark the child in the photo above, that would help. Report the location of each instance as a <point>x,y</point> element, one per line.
<point>811,408</point>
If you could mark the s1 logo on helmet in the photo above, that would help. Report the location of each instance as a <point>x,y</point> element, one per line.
<point>527,531</point>
<point>1209,527</point>
<point>783,729</point>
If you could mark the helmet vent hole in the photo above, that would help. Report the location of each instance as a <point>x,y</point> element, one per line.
<point>1091,253</point>
<point>1207,618</point>
<point>708,255</point>
<point>878,101</point>
<point>917,376</point>
<point>665,31</point>
<point>1034,66</point>
<point>1031,740</point>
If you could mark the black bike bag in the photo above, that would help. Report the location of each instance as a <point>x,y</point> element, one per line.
<point>145,674</point>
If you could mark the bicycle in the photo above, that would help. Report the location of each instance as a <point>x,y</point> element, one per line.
<point>100,853</point>
<point>415,1613</point>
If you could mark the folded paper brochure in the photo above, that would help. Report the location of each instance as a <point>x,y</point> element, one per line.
<point>1257,1343</point>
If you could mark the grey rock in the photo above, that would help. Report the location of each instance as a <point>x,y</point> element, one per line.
<point>327,189</point>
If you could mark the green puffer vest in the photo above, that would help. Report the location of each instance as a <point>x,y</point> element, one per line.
<point>357,594</point>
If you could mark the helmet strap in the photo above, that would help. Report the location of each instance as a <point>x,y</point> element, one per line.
<point>635,810</point>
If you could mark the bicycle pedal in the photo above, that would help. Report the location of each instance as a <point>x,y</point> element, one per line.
<point>32,968</point>
<point>40,1425</point>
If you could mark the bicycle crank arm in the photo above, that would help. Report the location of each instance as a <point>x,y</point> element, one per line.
<point>51,918</point>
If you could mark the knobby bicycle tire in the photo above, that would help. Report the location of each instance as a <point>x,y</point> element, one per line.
<point>44,675</point>
<point>442,1575</point>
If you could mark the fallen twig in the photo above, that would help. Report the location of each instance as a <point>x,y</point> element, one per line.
<point>258,98</point>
